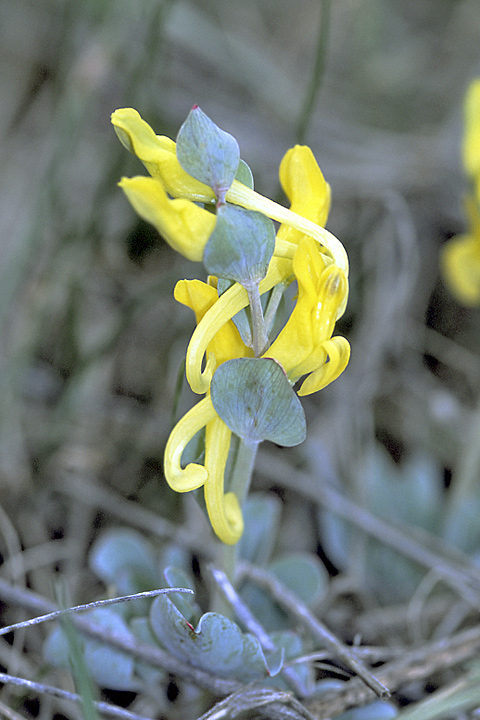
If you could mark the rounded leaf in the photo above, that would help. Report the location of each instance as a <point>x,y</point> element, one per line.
<point>109,667</point>
<point>207,153</point>
<point>241,245</point>
<point>126,559</point>
<point>186,605</point>
<point>244,174</point>
<point>304,574</point>
<point>255,400</point>
<point>217,645</point>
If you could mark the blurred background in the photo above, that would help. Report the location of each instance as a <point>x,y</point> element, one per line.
<point>92,341</point>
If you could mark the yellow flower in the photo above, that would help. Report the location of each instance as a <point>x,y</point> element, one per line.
<point>220,314</point>
<point>308,192</point>
<point>183,224</point>
<point>305,345</point>
<point>460,256</point>
<point>158,154</point>
<point>460,259</point>
<point>223,508</point>
<point>471,138</point>
<point>306,188</point>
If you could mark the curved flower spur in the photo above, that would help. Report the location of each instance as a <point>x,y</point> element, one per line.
<point>200,197</point>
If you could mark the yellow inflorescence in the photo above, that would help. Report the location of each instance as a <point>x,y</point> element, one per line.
<point>304,251</point>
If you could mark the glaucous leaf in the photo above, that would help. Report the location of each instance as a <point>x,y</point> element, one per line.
<point>207,153</point>
<point>217,645</point>
<point>241,245</point>
<point>255,400</point>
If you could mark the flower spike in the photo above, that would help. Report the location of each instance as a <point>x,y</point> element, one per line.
<point>248,384</point>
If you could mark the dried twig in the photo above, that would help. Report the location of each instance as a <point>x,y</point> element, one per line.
<point>91,606</point>
<point>246,618</point>
<point>277,704</point>
<point>40,688</point>
<point>417,664</point>
<point>150,654</point>
<point>297,609</point>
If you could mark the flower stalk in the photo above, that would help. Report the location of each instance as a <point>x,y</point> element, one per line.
<point>259,330</point>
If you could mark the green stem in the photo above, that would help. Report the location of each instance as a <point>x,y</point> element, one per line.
<point>243,470</point>
<point>260,337</point>
<point>239,484</point>
<point>272,305</point>
<point>318,73</point>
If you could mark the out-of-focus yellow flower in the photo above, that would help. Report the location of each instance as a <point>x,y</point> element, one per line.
<point>471,138</point>
<point>305,345</point>
<point>460,256</point>
<point>158,154</point>
<point>223,508</point>
<point>460,259</point>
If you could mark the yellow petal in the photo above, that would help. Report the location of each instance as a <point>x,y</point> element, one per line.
<point>471,139</point>
<point>158,155</point>
<point>193,476</point>
<point>224,510</point>
<point>472,208</point>
<point>200,297</point>
<point>242,195</point>
<point>233,300</point>
<point>306,188</point>
<point>460,262</point>
<point>338,351</point>
<point>186,227</point>
<point>321,295</point>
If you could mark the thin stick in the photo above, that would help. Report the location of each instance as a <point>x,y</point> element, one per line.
<point>297,609</point>
<point>259,332</point>
<point>89,606</point>
<point>103,707</point>
<point>150,654</point>
<point>251,624</point>
<point>413,665</point>
<point>252,698</point>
